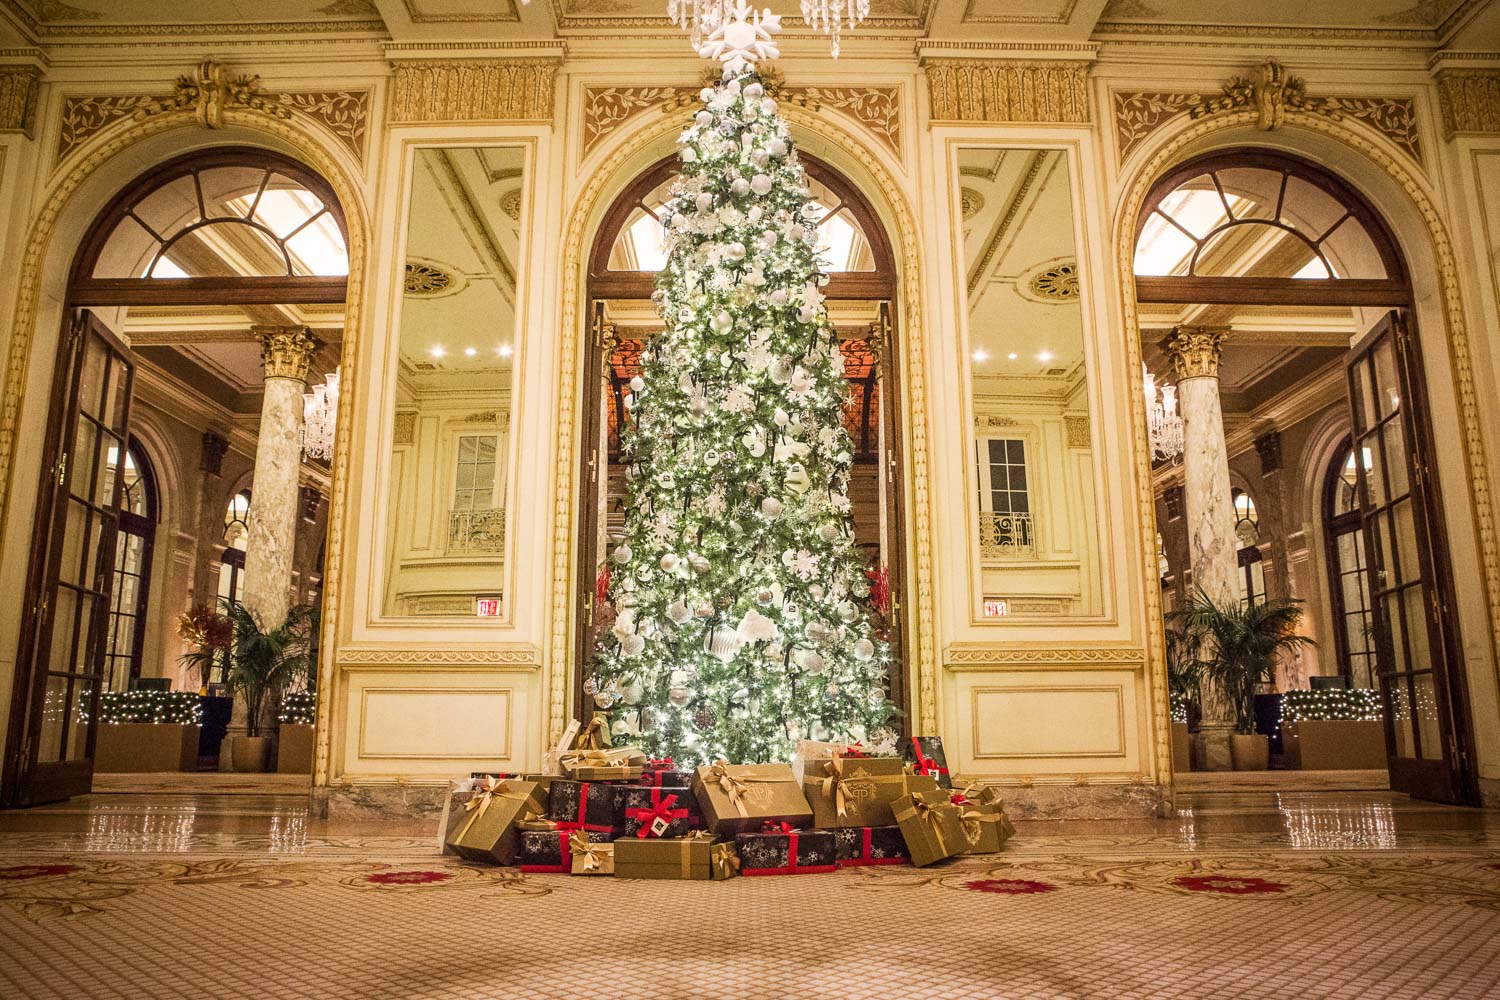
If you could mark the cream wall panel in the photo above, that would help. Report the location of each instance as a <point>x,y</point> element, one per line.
<point>1053,723</point>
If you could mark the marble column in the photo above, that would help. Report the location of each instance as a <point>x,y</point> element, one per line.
<point>275,504</point>
<point>1209,507</point>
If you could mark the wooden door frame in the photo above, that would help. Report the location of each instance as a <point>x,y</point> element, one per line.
<point>601,284</point>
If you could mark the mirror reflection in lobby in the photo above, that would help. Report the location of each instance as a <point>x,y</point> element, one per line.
<point>451,449</point>
<point>1036,513</point>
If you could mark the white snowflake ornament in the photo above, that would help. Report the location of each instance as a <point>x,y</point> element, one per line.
<point>743,40</point>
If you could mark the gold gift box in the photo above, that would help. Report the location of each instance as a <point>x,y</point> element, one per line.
<point>604,765</point>
<point>488,832</point>
<point>985,824</point>
<point>590,857</point>
<point>672,857</point>
<point>736,798</point>
<point>864,787</point>
<point>931,825</point>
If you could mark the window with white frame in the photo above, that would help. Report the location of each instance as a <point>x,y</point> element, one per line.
<point>474,478</point>
<point>1004,499</point>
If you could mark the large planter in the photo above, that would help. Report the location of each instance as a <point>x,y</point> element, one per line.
<point>1182,742</point>
<point>249,753</point>
<point>1335,744</point>
<point>140,747</point>
<point>1250,753</point>
<point>294,748</point>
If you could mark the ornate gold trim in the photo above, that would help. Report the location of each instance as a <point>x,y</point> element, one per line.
<point>309,144</point>
<point>1195,350</point>
<point>18,91</point>
<point>1005,90</point>
<point>524,654</point>
<point>285,351</point>
<point>606,109</point>
<point>1475,458</point>
<point>1469,101</point>
<point>1271,93</point>
<point>962,654</point>
<point>345,113</point>
<point>508,12</point>
<point>914,380</point>
<point>473,90</point>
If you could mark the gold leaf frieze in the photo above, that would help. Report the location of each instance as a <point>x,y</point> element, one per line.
<point>1470,101</point>
<point>1008,91</point>
<point>473,90</point>
<point>18,92</point>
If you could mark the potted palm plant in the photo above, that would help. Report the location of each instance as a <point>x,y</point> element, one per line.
<point>1243,642</point>
<point>262,664</point>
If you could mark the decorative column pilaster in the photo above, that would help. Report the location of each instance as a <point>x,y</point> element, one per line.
<point>286,353</point>
<point>1209,506</point>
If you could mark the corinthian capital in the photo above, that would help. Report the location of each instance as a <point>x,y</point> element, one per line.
<point>1195,350</point>
<point>285,351</point>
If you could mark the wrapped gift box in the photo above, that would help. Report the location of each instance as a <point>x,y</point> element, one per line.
<point>549,851</point>
<point>739,797</point>
<point>487,831</point>
<point>690,857</point>
<point>858,791</point>
<point>855,846</point>
<point>932,827</point>
<point>621,763</point>
<point>584,805</point>
<point>785,851</point>
<point>986,827</point>
<point>657,812</point>
<point>590,857</point>
<point>926,753</point>
<point>666,779</point>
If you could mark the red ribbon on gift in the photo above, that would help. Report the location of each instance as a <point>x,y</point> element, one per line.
<point>566,852</point>
<point>791,868</point>
<point>661,764</point>
<point>583,808</point>
<point>660,809</point>
<point>925,764</point>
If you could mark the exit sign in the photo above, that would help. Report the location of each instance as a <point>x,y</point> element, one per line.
<point>487,607</point>
<point>996,608</point>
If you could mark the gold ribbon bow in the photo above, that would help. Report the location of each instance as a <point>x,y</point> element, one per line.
<point>593,854</point>
<point>736,785</point>
<point>617,757</point>
<point>477,804</point>
<point>930,814</point>
<point>834,783</point>
<point>593,736</point>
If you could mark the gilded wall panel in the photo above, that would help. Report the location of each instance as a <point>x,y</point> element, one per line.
<point>999,91</point>
<point>473,90</point>
<point>1470,101</point>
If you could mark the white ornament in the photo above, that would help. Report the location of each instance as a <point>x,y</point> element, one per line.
<point>706,94</point>
<point>689,154</point>
<point>704,118</point>
<point>777,147</point>
<point>796,478</point>
<point>722,642</point>
<point>637,384</point>
<point>761,183</point>
<point>780,417</point>
<point>864,650</point>
<point>679,696</point>
<point>722,322</point>
<point>806,314</point>
<point>677,612</point>
<point>619,727</point>
<point>829,532</point>
<point>770,507</point>
<point>764,596</point>
<point>754,91</point>
<point>778,297</point>
<point>668,562</point>
<point>700,564</point>
<point>632,645</point>
<point>704,201</point>
<point>623,554</point>
<point>756,627</point>
<point>735,251</point>
<point>633,693</point>
<point>768,106</point>
<point>739,187</point>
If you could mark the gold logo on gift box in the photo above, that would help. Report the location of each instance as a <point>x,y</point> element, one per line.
<point>758,795</point>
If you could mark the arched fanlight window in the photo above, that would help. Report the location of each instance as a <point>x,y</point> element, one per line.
<point>1247,535</point>
<point>1348,570</point>
<point>236,538</point>
<point>132,574</point>
<point>1246,521</point>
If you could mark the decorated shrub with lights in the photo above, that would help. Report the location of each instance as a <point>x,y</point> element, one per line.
<point>184,707</point>
<point>1332,705</point>
<point>734,612</point>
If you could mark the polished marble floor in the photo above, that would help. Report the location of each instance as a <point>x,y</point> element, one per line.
<point>1338,894</point>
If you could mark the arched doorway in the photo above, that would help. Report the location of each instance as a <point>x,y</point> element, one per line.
<point>169,294</point>
<point>860,292</point>
<point>1302,291</point>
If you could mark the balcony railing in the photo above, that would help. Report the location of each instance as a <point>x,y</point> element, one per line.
<point>1006,536</point>
<point>477,531</point>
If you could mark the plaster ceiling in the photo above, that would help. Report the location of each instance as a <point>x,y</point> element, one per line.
<point>117,12</point>
<point>1319,13</point>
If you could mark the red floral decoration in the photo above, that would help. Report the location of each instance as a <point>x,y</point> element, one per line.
<point>880,589</point>
<point>1010,886</point>
<point>1230,885</point>
<point>408,878</point>
<point>17,873</point>
<point>601,585</point>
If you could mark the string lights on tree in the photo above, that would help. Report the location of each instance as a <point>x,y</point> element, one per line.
<point>181,707</point>
<point>1332,705</point>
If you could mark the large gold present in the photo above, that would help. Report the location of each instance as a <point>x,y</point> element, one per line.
<point>739,797</point>
<point>590,857</point>
<point>488,832</point>
<point>858,791</point>
<point>603,765</point>
<point>690,857</point>
<point>931,825</point>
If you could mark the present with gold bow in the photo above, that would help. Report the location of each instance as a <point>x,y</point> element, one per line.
<point>590,857</point>
<point>550,851</point>
<point>616,764</point>
<point>739,797</point>
<point>925,753</point>
<point>985,824</point>
<point>781,849</point>
<point>690,857</point>
<point>931,825</point>
<point>486,831</point>
<point>858,791</point>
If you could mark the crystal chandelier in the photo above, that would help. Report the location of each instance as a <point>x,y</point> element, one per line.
<point>831,16</point>
<point>1162,419</point>
<point>698,17</point>
<point>320,409</point>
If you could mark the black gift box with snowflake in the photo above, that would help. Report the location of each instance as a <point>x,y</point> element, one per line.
<point>785,851</point>
<point>658,812</point>
<point>584,805</point>
<point>926,752</point>
<point>870,845</point>
<point>548,850</point>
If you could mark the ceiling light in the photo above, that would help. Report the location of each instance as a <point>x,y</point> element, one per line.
<point>438,352</point>
<point>1012,355</point>
<point>504,350</point>
<point>471,352</point>
<point>981,355</point>
<point>1044,356</point>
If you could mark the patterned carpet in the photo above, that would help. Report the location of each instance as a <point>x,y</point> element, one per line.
<point>1067,917</point>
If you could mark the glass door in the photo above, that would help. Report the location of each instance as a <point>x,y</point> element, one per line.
<point>73,554</point>
<point>1415,648</point>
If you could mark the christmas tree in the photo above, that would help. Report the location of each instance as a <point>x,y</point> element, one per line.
<point>735,613</point>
